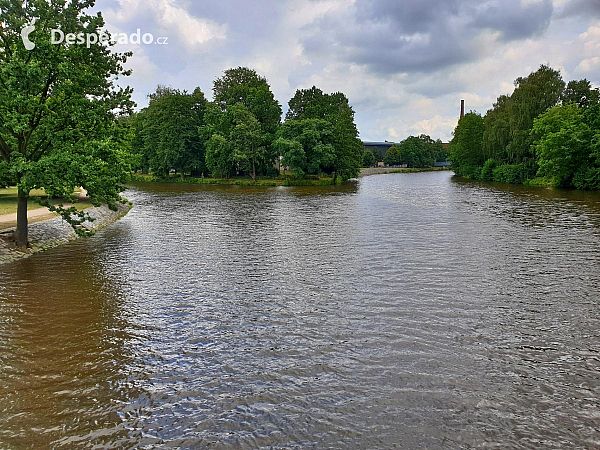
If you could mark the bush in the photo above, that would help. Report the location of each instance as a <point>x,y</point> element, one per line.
<point>513,174</point>
<point>588,178</point>
<point>471,172</point>
<point>487,173</point>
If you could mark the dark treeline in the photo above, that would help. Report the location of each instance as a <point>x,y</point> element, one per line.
<point>240,132</point>
<point>545,133</point>
<point>416,151</point>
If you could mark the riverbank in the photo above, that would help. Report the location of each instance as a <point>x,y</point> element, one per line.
<point>282,180</point>
<point>386,170</point>
<point>54,232</point>
<point>238,181</point>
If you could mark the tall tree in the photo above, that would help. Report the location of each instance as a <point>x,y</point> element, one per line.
<point>334,108</point>
<point>563,143</point>
<point>168,131</point>
<point>496,136</point>
<point>466,147</point>
<point>581,93</point>
<point>58,104</point>
<point>533,95</point>
<point>314,151</point>
<point>244,86</point>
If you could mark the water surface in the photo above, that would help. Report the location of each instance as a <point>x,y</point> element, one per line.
<point>406,310</point>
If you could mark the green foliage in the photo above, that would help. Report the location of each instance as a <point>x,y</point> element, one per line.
<point>563,142</point>
<point>369,159</point>
<point>219,156</point>
<point>533,95</point>
<point>487,172</point>
<point>336,110</point>
<point>59,104</point>
<point>166,132</point>
<point>393,156</point>
<point>466,147</point>
<point>496,136</point>
<point>306,146</point>
<point>244,86</point>
<point>581,93</point>
<point>513,173</point>
<point>587,178</point>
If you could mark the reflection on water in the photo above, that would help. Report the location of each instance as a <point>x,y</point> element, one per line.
<point>412,310</point>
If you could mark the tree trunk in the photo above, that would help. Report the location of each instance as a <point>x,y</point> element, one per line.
<point>22,232</point>
<point>253,171</point>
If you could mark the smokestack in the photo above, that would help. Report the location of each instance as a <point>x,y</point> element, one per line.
<point>462,109</point>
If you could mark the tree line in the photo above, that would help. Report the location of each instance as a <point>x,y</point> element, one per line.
<point>416,151</point>
<point>65,123</point>
<point>547,132</point>
<point>240,132</point>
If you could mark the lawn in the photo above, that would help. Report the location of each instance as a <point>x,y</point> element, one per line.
<point>8,201</point>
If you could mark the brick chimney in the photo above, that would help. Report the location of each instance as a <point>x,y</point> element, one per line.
<point>462,109</point>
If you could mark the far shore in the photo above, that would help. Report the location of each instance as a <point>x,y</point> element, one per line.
<point>386,170</point>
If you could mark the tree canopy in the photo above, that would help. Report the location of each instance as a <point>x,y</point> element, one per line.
<point>59,106</point>
<point>545,129</point>
<point>336,110</point>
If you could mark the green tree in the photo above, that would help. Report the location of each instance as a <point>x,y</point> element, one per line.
<point>335,109</point>
<point>315,137</point>
<point>392,156</point>
<point>167,132</point>
<point>496,136</point>
<point>244,86</point>
<point>533,95</point>
<point>59,106</point>
<point>219,156</point>
<point>581,93</point>
<point>563,143</point>
<point>466,147</point>
<point>246,139</point>
<point>369,159</point>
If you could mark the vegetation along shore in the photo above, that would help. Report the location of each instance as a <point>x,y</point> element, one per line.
<point>547,133</point>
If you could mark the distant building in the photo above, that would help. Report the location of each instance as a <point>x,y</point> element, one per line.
<point>379,149</point>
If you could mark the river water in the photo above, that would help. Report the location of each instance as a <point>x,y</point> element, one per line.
<point>408,310</point>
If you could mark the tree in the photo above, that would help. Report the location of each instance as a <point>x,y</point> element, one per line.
<point>466,147</point>
<point>168,131</point>
<point>335,109</point>
<point>533,95</point>
<point>219,157</point>
<point>315,137</point>
<point>392,156</point>
<point>59,106</point>
<point>369,158</point>
<point>244,86</point>
<point>563,143</point>
<point>496,136</point>
<point>246,139</point>
<point>581,93</point>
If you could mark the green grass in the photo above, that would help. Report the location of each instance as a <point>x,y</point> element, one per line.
<point>9,201</point>
<point>282,180</point>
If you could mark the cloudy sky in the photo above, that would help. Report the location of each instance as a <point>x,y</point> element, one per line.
<point>404,64</point>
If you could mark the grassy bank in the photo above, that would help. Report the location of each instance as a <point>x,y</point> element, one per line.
<point>9,201</point>
<point>365,172</point>
<point>238,181</point>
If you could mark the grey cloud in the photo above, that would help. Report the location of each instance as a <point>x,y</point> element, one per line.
<point>424,36</point>
<point>585,8</point>
<point>515,20</point>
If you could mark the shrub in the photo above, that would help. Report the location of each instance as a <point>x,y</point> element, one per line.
<point>487,173</point>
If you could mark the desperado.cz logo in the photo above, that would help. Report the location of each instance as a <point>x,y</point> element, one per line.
<point>89,39</point>
<point>25,32</point>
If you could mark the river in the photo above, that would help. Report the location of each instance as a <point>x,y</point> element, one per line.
<point>404,310</point>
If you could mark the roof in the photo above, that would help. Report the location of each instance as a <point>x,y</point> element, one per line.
<point>379,144</point>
